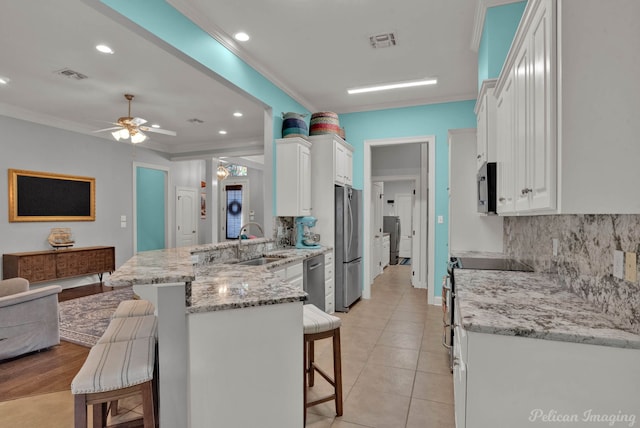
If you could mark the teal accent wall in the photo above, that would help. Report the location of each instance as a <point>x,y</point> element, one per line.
<point>150,206</point>
<point>500,25</point>
<point>432,119</point>
<point>169,25</point>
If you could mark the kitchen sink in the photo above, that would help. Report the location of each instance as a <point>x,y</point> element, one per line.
<point>260,261</point>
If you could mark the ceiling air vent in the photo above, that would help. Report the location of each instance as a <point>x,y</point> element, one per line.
<point>71,74</point>
<point>195,120</point>
<point>385,40</point>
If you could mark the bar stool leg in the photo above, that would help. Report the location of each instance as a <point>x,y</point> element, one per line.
<point>80,411</point>
<point>99,415</point>
<point>337,371</point>
<point>148,405</point>
<point>311,362</point>
<point>304,380</point>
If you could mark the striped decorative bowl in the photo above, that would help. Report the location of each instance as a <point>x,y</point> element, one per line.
<point>324,122</point>
<point>293,125</point>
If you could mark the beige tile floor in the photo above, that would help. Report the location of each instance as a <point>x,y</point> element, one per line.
<point>395,371</point>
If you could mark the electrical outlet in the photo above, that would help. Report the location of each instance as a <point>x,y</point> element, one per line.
<point>440,219</point>
<point>630,267</point>
<point>554,244</point>
<point>618,264</point>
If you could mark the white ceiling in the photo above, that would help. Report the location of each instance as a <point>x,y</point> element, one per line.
<point>314,50</point>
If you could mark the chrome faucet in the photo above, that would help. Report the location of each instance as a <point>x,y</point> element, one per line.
<point>243,227</point>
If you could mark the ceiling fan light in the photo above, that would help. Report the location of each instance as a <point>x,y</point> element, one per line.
<point>116,135</point>
<point>124,133</point>
<point>138,138</point>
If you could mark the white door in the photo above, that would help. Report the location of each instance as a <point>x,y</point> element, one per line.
<point>404,209</point>
<point>187,210</point>
<point>376,226</point>
<point>234,207</point>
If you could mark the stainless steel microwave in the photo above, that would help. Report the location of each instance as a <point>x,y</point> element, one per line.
<point>487,188</point>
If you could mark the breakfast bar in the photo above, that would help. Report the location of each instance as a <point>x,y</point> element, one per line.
<point>229,334</point>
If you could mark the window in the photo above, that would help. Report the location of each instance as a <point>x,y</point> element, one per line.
<point>234,210</point>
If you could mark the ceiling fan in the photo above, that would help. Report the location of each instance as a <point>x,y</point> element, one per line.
<point>132,127</point>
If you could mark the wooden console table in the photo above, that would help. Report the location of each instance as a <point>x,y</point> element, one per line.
<point>40,266</point>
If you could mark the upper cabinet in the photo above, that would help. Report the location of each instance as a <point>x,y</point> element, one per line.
<point>486,126</point>
<point>339,154</point>
<point>564,111</point>
<point>293,177</point>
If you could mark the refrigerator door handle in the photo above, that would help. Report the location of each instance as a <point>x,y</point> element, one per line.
<point>350,228</point>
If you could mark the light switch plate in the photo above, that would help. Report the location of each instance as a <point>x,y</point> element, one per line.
<point>440,219</point>
<point>618,264</point>
<point>630,267</point>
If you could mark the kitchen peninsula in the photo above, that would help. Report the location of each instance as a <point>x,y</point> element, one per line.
<point>229,334</point>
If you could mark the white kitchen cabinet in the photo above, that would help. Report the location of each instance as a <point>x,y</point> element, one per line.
<point>459,371</point>
<point>505,193</point>
<point>504,380</point>
<point>386,250</point>
<point>486,124</point>
<point>293,273</point>
<point>329,289</point>
<point>569,140</point>
<point>340,156</point>
<point>293,177</point>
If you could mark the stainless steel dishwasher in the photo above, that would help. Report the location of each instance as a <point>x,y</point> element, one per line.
<point>313,280</point>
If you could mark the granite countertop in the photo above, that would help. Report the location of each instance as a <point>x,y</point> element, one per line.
<point>533,305</point>
<point>217,286</point>
<point>478,254</point>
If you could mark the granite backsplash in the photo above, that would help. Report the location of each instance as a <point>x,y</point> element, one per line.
<point>585,257</point>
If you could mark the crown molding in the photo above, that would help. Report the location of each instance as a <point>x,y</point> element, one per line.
<point>416,103</point>
<point>189,10</point>
<point>478,22</point>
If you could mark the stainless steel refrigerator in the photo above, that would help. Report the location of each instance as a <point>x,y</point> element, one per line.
<point>391,225</point>
<point>348,247</point>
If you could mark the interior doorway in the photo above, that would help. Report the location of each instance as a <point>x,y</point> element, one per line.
<point>424,227</point>
<point>150,208</point>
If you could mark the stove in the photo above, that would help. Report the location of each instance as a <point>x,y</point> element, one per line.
<point>488,264</point>
<point>449,288</point>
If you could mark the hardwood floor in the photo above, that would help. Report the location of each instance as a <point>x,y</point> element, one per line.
<point>50,370</point>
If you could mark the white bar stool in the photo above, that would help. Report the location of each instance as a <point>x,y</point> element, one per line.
<point>320,325</point>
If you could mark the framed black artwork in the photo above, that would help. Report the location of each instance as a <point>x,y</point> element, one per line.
<point>45,196</point>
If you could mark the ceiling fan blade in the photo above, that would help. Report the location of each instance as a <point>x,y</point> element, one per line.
<point>158,130</point>
<point>138,121</point>
<point>108,129</point>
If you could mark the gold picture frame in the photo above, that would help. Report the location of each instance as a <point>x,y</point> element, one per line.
<point>46,196</point>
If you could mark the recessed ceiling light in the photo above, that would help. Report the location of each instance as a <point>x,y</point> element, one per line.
<point>241,36</point>
<point>104,49</point>
<point>222,132</point>
<point>155,125</point>
<point>237,114</point>
<point>388,86</point>
<point>4,80</point>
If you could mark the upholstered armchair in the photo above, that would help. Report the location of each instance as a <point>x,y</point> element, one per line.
<point>28,318</point>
